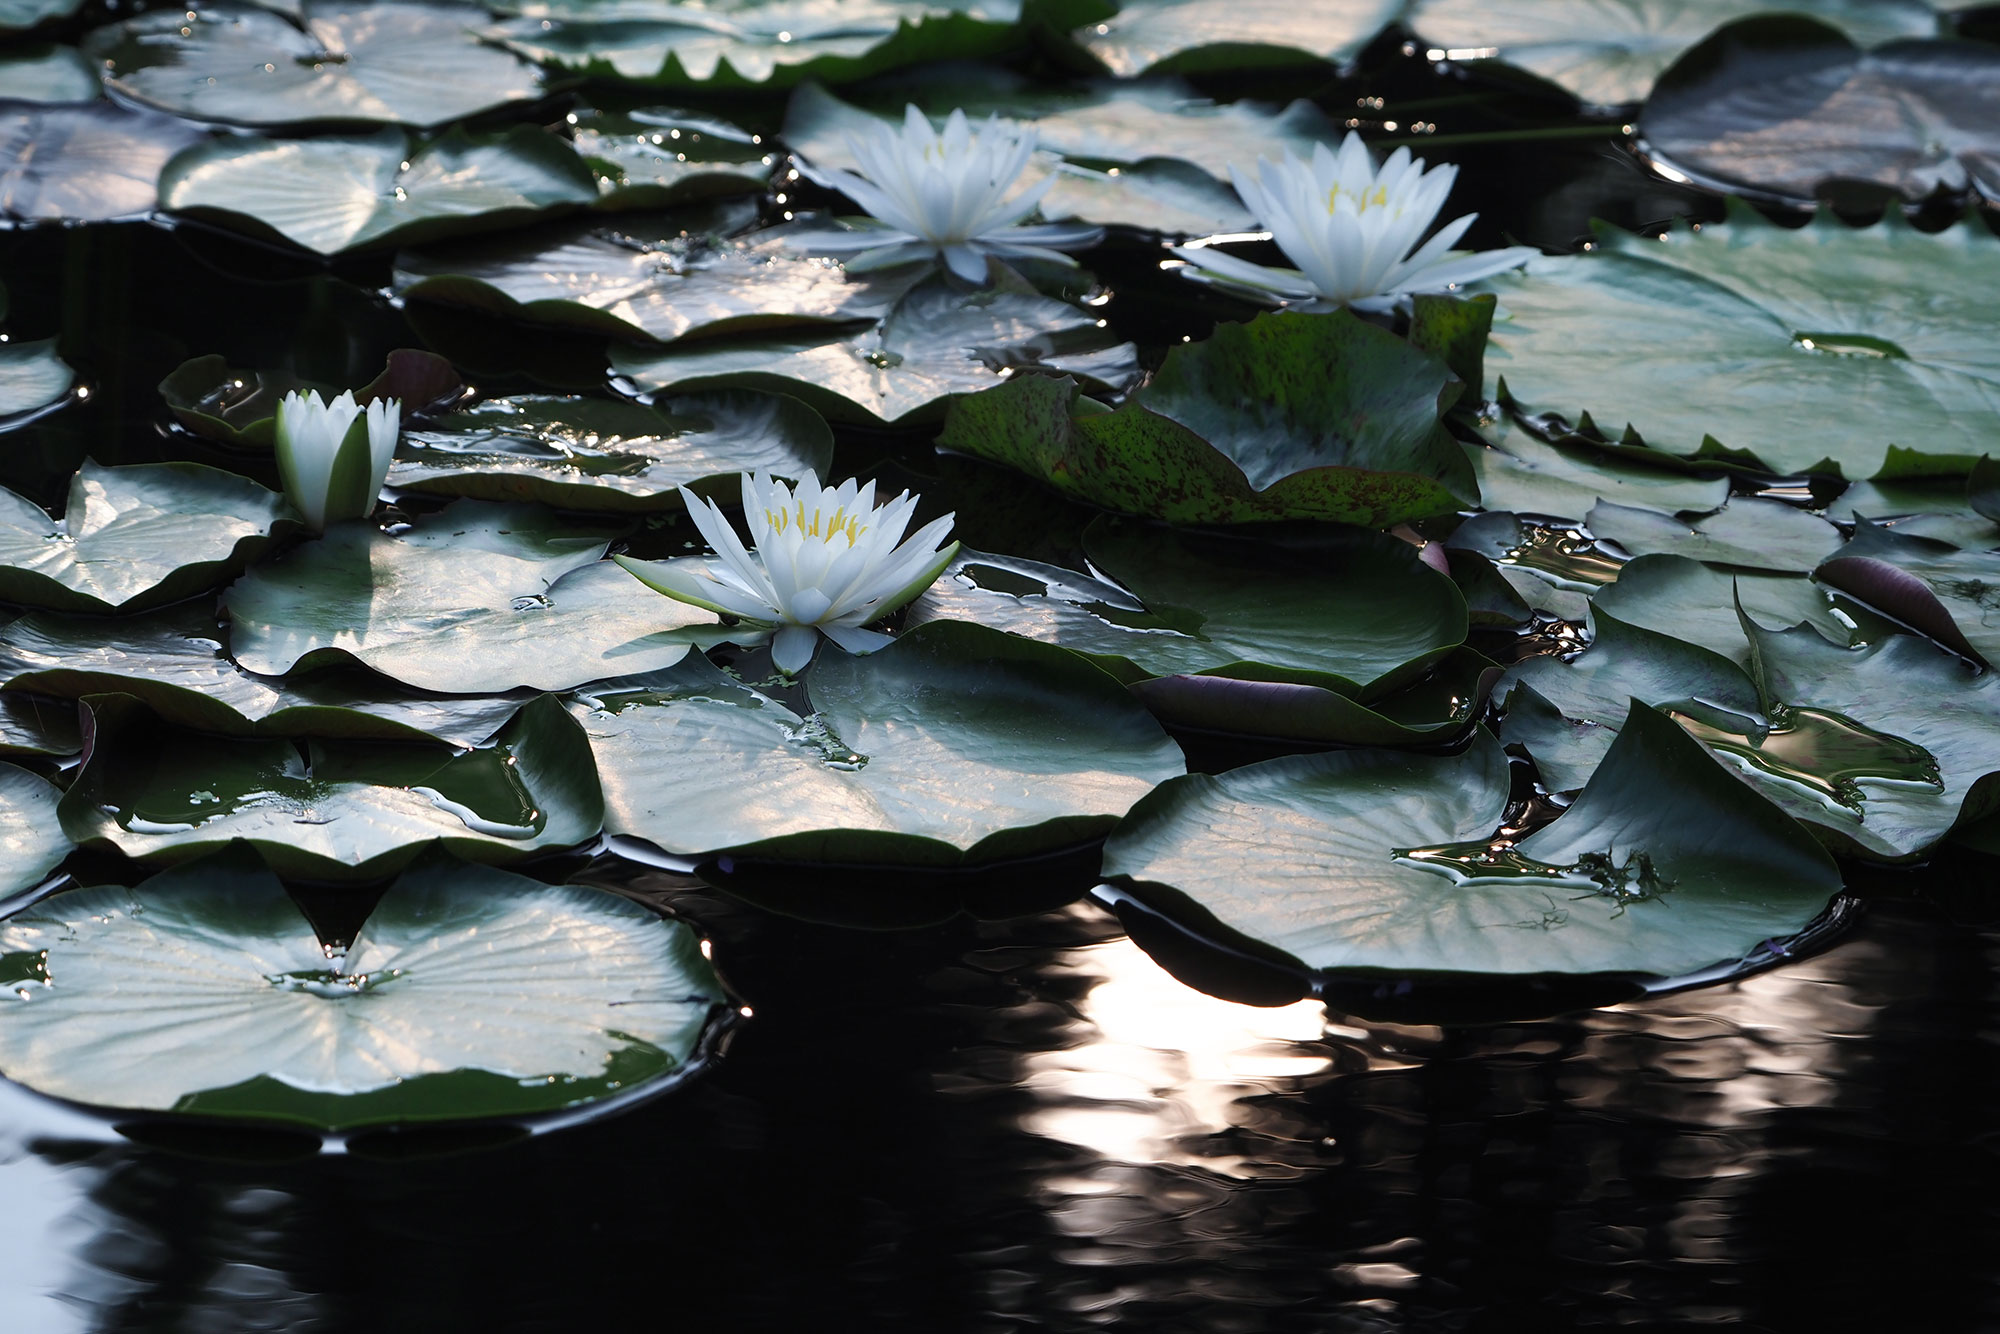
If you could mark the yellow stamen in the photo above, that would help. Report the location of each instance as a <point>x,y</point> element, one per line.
<point>1375,198</point>
<point>840,524</point>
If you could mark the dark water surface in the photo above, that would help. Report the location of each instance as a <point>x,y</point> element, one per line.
<point>1029,1125</point>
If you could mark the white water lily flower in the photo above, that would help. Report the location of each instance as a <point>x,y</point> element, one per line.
<point>826,561</point>
<point>334,456</point>
<point>943,195</point>
<point>1353,232</point>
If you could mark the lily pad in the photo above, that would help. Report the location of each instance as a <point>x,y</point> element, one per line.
<point>936,342</point>
<point>1883,746</point>
<point>239,407</point>
<point>48,74</point>
<point>133,537</point>
<point>1609,52</point>
<point>1352,612</point>
<point>1949,594</point>
<point>1195,36</point>
<point>475,598</point>
<point>1697,604</point>
<point>88,163</point>
<point>469,992</point>
<point>16,15</point>
<point>351,192</point>
<point>38,725</point>
<point>385,62</point>
<point>660,156</point>
<point>1780,107</point>
<point>1377,862</point>
<point>32,843</point>
<point>1593,691</point>
<point>606,454</point>
<point>1747,335</point>
<point>173,661</point>
<point>1290,416</point>
<point>1754,533</point>
<point>1521,474</point>
<point>341,811</point>
<point>763,43</point>
<point>32,377</point>
<point>658,284</point>
<point>955,745</point>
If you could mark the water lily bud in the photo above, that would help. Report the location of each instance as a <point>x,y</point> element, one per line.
<point>826,560</point>
<point>334,456</point>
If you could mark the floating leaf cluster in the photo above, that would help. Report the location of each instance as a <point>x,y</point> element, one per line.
<point>1593,620</point>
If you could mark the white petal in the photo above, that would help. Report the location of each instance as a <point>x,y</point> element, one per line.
<point>792,648</point>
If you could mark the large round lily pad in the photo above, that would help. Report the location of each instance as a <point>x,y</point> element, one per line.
<point>1380,862</point>
<point>1288,416</point>
<point>652,283</point>
<point>658,157</point>
<point>1349,611</point>
<point>1873,334</point>
<point>413,64</point>
<point>1781,108</point>
<point>1520,474</point>
<point>935,342</point>
<point>133,537</point>
<point>1609,52</point>
<point>1161,36</point>
<point>955,745</point>
<point>342,810</point>
<point>476,598</point>
<point>608,454</point>
<point>173,660</point>
<point>469,992</point>
<point>352,192</point>
<point>88,163</point>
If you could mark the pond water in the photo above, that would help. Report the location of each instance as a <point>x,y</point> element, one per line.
<point>1023,1124</point>
<point>1029,1125</point>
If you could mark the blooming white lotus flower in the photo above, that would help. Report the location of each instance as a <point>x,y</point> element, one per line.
<point>943,195</point>
<point>1352,230</point>
<point>334,456</point>
<point>827,561</point>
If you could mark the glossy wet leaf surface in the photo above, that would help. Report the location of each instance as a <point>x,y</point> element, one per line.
<point>660,157</point>
<point>469,992</point>
<point>1748,337</point>
<point>390,62</point>
<point>761,43</point>
<point>174,660</point>
<point>1189,36</point>
<point>1785,109</point>
<point>347,192</point>
<point>1352,612</point>
<point>934,343</point>
<point>476,598</point>
<point>48,74</point>
<point>1522,474</point>
<point>133,537</point>
<point>32,843</point>
<point>85,163</point>
<point>32,376</point>
<point>18,14</point>
<point>956,744</point>
<point>335,810</point>
<point>652,283</point>
<point>1962,586</point>
<point>603,454</point>
<point>1610,52</point>
<point>1748,532</point>
<point>1376,862</point>
<point>1290,416</point>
